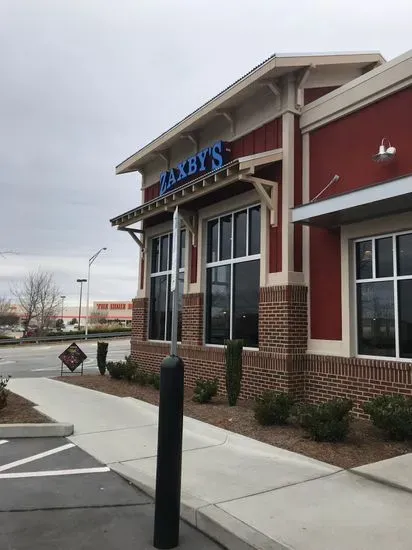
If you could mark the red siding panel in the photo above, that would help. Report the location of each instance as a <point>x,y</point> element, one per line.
<point>141,273</point>
<point>325,285</point>
<point>312,94</point>
<point>193,264</point>
<point>345,147</point>
<point>297,247</point>
<point>151,192</point>
<point>265,138</point>
<point>275,239</point>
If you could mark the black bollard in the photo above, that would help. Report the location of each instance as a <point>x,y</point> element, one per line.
<point>169,454</point>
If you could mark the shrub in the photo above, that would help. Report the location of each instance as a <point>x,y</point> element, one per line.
<point>328,421</point>
<point>233,355</point>
<point>392,414</point>
<point>140,377</point>
<point>205,390</point>
<point>101,356</point>
<point>3,391</point>
<point>273,408</point>
<point>153,379</point>
<point>122,370</point>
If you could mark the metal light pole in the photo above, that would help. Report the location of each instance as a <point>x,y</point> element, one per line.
<point>91,260</point>
<point>62,299</point>
<point>81,281</point>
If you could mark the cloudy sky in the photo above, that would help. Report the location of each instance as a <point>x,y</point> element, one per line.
<point>85,83</point>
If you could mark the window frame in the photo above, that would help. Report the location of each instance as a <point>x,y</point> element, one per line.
<point>231,261</point>
<point>165,273</point>
<point>394,279</point>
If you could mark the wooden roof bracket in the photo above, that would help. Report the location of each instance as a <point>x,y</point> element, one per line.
<point>190,221</point>
<point>268,193</point>
<point>132,232</point>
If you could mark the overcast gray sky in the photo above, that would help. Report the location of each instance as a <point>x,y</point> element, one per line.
<point>85,83</point>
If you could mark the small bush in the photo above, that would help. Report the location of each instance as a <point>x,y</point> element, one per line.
<point>122,370</point>
<point>392,414</point>
<point>328,421</point>
<point>153,379</point>
<point>116,369</point>
<point>234,370</point>
<point>273,408</point>
<point>205,390</point>
<point>101,356</point>
<point>140,377</point>
<point>3,391</point>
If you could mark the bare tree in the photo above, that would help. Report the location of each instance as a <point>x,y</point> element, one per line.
<point>98,316</point>
<point>8,316</point>
<point>39,299</point>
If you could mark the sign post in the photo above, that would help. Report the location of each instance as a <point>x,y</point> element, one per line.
<point>72,357</point>
<point>170,429</point>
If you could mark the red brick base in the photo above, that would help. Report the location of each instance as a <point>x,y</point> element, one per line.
<point>281,362</point>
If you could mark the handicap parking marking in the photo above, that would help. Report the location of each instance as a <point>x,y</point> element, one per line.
<point>49,473</point>
<point>38,456</point>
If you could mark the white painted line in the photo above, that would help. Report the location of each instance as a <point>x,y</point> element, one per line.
<point>3,441</point>
<point>36,457</point>
<point>49,473</point>
<point>2,362</point>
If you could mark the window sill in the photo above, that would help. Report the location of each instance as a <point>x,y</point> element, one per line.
<point>384,358</point>
<point>222,346</point>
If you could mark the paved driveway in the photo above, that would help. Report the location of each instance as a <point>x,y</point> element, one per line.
<point>55,496</point>
<point>34,361</point>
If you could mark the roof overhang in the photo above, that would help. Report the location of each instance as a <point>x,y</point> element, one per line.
<point>383,199</point>
<point>234,171</point>
<point>273,68</point>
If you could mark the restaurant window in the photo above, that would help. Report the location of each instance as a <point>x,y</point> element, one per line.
<point>233,277</point>
<point>384,296</point>
<point>160,322</point>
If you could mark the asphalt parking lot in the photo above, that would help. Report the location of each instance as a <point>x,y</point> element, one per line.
<point>55,496</point>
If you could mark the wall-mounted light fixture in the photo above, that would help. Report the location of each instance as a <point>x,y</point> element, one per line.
<point>385,153</point>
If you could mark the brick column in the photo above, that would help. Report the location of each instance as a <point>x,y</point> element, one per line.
<point>140,319</point>
<point>283,330</point>
<point>192,320</point>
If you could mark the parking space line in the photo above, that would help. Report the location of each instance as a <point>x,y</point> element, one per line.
<point>49,473</point>
<point>3,441</point>
<point>36,457</point>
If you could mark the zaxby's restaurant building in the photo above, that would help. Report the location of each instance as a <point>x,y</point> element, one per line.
<point>295,190</point>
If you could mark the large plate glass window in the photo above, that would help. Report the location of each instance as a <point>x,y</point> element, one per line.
<point>384,296</point>
<point>160,323</point>
<point>232,277</point>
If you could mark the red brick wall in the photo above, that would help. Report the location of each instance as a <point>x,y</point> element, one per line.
<point>282,364</point>
<point>192,319</point>
<point>278,365</point>
<point>283,326</point>
<point>139,319</point>
<point>356,379</point>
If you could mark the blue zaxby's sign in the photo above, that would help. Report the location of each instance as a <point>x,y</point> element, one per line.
<point>210,158</point>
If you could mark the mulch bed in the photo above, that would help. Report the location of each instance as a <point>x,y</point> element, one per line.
<point>364,445</point>
<point>20,411</point>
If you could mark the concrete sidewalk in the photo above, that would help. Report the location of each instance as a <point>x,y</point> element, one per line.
<point>243,493</point>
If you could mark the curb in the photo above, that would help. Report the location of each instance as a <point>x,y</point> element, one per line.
<point>9,431</point>
<point>208,518</point>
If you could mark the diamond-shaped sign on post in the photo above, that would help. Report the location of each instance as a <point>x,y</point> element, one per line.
<point>72,357</point>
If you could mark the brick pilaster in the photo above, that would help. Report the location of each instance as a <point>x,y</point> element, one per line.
<point>192,320</point>
<point>140,319</point>
<point>283,319</point>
